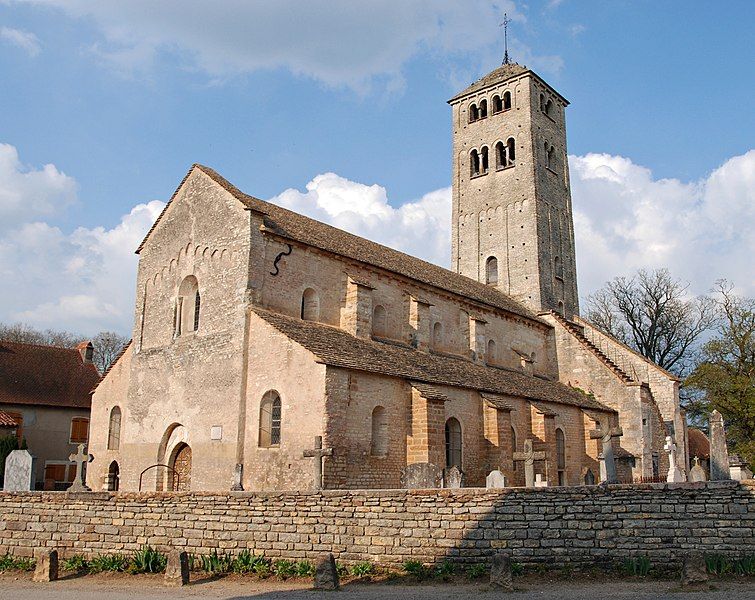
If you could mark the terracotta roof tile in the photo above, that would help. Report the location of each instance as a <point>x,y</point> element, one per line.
<point>294,226</point>
<point>337,348</point>
<point>45,375</point>
<point>6,420</point>
<point>698,443</point>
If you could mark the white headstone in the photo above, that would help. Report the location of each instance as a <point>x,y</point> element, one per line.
<point>495,479</point>
<point>452,477</point>
<point>539,481</point>
<point>19,471</point>
<point>697,473</point>
<point>675,474</point>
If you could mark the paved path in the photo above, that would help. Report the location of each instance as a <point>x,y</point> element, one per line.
<point>147,588</point>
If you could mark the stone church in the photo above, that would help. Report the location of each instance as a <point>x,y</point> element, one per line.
<point>257,329</point>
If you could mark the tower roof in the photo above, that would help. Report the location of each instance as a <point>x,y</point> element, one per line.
<point>503,73</point>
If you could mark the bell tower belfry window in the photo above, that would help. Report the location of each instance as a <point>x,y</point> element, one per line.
<point>510,126</point>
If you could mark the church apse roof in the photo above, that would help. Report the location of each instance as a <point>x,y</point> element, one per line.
<point>291,225</point>
<point>337,348</point>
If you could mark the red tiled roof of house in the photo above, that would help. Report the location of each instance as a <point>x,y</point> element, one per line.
<point>45,375</point>
<point>6,420</point>
<point>698,443</point>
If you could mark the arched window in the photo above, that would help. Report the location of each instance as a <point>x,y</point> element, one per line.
<point>474,163</point>
<point>557,268</point>
<point>379,321</point>
<point>379,442</point>
<point>510,153</point>
<point>589,477</point>
<point>561,456</point>
<point>513,444</point>
<point>187,306</point>
<point>497,104</point>
<point>500,155</point>
<point>270,420</point>
<point>549,107</point>
<point>483,109</point>
<point>114,429</point>
<point>113,477</point>
<point>310,305</point>
<point>473,113</point>
<point>437,335</point>
<point>542,103</point>
<point>491,356</point>
<point>491,270</point>
<point>550,155</point>
<point>484,159</point>
<point>506,100</point>
<point>453,443</point>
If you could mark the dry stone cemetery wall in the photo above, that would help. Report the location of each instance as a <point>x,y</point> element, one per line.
<point>555,526</point>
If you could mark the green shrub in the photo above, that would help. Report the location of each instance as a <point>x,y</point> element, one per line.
<point>638,566</point>
<point>362,569</point>
<point>112,563</point>
<point>12,563</point>
<point>148,560</point>
<point>77,564</point>
<point>246,562</point>
<point>416,568</point>
<point>284,569</point>
<point>7,562</point>
<point>718,564</point>
<point>745,566</point>
<point>216,564</point>
<point>304,568</point>
<point>445,570</point>
<point>517,569</point>
<point>342,569</point>
<point>24,563</point>
<point>476,571</point>
<point>262,569</point>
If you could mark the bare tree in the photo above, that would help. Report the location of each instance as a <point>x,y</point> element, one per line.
<point>651,313</point>
<point>107,346</point>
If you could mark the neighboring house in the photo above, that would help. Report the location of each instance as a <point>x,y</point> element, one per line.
<point>46,392</point>
<point>699,447</point>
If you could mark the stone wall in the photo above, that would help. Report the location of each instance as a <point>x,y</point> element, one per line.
<point>553,526</point>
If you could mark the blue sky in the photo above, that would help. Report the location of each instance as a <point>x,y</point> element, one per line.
<point>121,97</point>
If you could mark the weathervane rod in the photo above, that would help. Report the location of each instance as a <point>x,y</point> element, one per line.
<point>505,25</point>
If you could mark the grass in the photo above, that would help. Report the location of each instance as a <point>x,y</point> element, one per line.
<point>362,569</point>
<point>638,566</point>
<point>476,571</point>
<point>147,560</point>
<point>417,569</point>
<point>720,565</point>
<point>109,563</point>
<point>217,564</point>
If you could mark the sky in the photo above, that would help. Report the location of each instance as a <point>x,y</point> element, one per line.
<point>338,109</point>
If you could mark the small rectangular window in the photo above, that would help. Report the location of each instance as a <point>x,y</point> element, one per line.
<point>79,430</point>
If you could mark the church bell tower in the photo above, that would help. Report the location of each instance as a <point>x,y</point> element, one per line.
<point>512,224</point>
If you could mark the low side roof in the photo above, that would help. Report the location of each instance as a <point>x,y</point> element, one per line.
<point>337,348</point>
<point>45,375</point>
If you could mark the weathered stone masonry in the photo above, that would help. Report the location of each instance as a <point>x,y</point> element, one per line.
<point>554,526</point>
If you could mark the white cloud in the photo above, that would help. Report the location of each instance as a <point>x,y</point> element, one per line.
<point>626,219</point>
<point>420,228</point>
<point>25,40</point>
<point>82,281</point>
<point>338,42</point>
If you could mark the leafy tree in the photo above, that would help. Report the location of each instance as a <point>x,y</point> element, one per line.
<point>651,313</point>
<point>725,377</point>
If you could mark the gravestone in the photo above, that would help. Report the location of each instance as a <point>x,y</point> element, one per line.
<point>694,571</point>
<point>738,469</point>
<point>500,573</point>
<point>529,456</point>
<point>177,569</point>
<point>605,457</point>
<point>326,573</point>
<point>697,473</point>
<point>318,453</point>
<point>495,479</point>
<point>719,455</point>
<point>19,471</point>
<point>46,568</point>
<point>675,474</point>
<point>452,478</point>
<point>421,476</point>
<point>81,458</point>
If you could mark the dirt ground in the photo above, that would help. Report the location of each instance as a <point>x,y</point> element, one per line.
<point>144,587</point>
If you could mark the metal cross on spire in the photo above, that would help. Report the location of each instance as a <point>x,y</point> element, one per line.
<point>505,25</point>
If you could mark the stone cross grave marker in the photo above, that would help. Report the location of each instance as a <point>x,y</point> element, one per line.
<point>80,458</point>
<point>318,453</point>
<point>19,471</point>
<point>539,481</point>
<point>719,455</point>
<point>495,479</point>
<point>529,456</point>
<point>675,474</point>
<point>607,463</point>
<point>697,473</point>
<point>452,477</point>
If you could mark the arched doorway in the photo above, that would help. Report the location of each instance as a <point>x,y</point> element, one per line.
<point>180,476</point>
<point>113,477</point>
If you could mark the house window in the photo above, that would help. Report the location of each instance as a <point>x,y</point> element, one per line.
<point>270,420</point>
<point>561,456</point>
<point>310,305</point>
<point>491,271</point>
<point>379,321</point>
<point>506,100</point>
<point>453,443</point>
<point>497,104</point>
<point>186,313</point>
<point>79,430</point>
<point>114,429</point>
<point>379,440</point>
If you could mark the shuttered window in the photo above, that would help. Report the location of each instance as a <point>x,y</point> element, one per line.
<point>79,430</point>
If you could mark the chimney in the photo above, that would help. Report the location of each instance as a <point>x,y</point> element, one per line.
<point>87,352</point>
